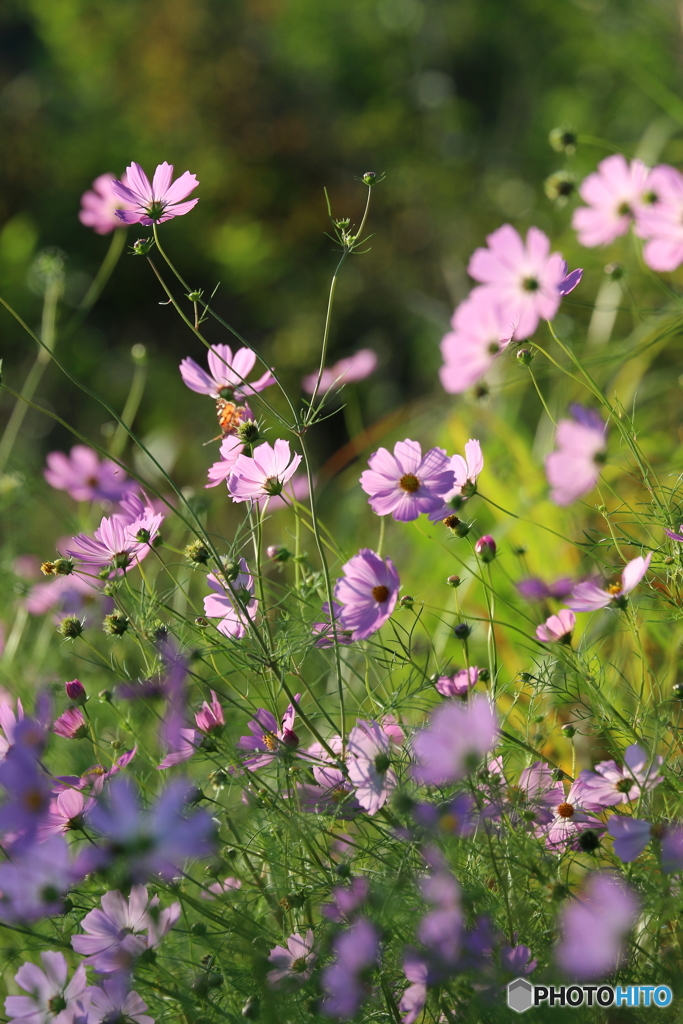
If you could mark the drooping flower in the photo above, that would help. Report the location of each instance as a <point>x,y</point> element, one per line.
<point>66,812</point>
<point>557,628</point>
<point>459,684</point>
<point>661,221</point>
<point>367,593</point>
<point>233,602</point>
<point>33,884</point>
<point>465,475</point>
<point>523,277</point>
<point>482,328</point>
<point>85,476</point>
<point>369,765</point>
<point>355,949</point>
<point>293,964</point>
<point>615,194</point>
<point>456,739</point>
<point>71,725</point>
<point>573,468</point>
<point>594,926</point>
<point>115,1002</point>
<point>609,784</point>
<point>589,597</point>
<point>99,205</point>
<point>156,202</point>
<point>263,474</point>
<point>219,472</point>
<point>267,738</point>
<point>405,484</point>
<point>227,377</point>
<point>210,719</point>
<point>52,998</point>
<point>346,371</point>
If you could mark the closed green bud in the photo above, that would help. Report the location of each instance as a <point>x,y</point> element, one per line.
<point>195,296</point>
<point>454,581</point>
<point>142,246</point>
<point>250,1010</point>
<point>525,356</point>
<point>231,570</point>
<point>407,601</point>
<point>249,432</point>
<point>569,731</point>
<point>115,624</point>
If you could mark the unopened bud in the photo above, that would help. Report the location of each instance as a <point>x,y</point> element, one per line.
<point>201,622</point>
<point>407,601</point>
<point>142,246</point>
<point>195,296</point>
<point>560,186</point>
<point>486,548</point>
<point>454,581</point>
<point>197,552</point>
<point>139,353</point>
<point>669,560</point>
<point>370,178</point>
<point>105,696</point>
<point>563,139</point>
<point>231,570</point>
<point>250,1010</point>
<point>62,567</point>
<point>462,631</point>
<point>115,624</point>
<point>70,627</point>
<point>483,676</point>
<point>290,738</point>
<point>278,553</point>
<point>615,271</point>
<point>75,691</point>
<point>569,731</point>
<point>524,356</point>
<point>589,841</point>
<point>677,691</point>
<point>458,527</point>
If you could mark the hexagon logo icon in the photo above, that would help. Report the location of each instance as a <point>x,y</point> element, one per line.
<point>520,995</point>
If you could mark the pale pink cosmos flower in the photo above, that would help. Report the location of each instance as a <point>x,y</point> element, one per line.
<point>482,328</point>
<point>557,628</point>
<point>228,372</point>
<point>233,603</point>
<point>367,593</point>
<point>347,371</point>
<point>405,484</point>
<point>219,472</point>
<point>369,765</point>
<point>414,997</point>
<point>594,926</point>
<point>52,998</point>
<point>155,202</point>
<point>589,597</point>
<point>85,477</point>
<point>661,221</point>
<point>114,1002</point>
<point>523,277</point>
<point>456,739</point>
<point>571,817</point>
<point>574,468</point>
<point>608,784</point>
<point>458,685</point>
<point>264,474</point>
<point>99,205</point>
<point>332,783</point>
<point>293,964</point>
<point>66,813</point>
<point>615,194</point>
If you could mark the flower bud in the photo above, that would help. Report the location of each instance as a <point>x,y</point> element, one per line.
<point>486,548</point>
<point>677,691</point>
<point>615,271</point>
<point>201,622</point>
<point>462,631</point>
<point>231,570</point>
<point>290,738</point>
<point>454,581</point>
<point>569,731</point>
<point>115,624</point>
<point>198,928</point>
<point>138,353</point>
<point>370,178</point>
<point>105,696</point>
<point>560,186</point>
<point>563,139</point>
<point>196,295</point>
<point>407,601</point>
<point>278,553</point>
<point>70,627</point>
<point>525,356</point>
<point>484,675</point>
<point>75,691</point>
<point>197,552</point>
<point>250,1010</point>
<point>62,567</point>
<point>589,841</point>
<point>669,560</point>
<point>142,246</point>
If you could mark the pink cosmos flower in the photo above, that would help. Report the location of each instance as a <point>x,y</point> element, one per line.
<point>405,484</point>
<point>457,738</point>
<point>114,1002</point>
<point>234,603</point>
<point>482,327</point>
<point>230,448</point>
<point>609,784</point>
<point>589,597</point>
<point>661,221</point>
<point>355,949</point>
<point>210,719</point>
<point>267,739</point>
<point>465,475</point>
<point>293,964</point>
<point>85,477</point>
<point>67,595</point>
<point>99,205</point>
<point>524,278</point>
<point>117,541</point>
<point>331,793</point>
<point>227,374</point>
<point>530,804</point>
<point>367,593</point>
<point>369,765</point>
<point>156,202</point>
<point>347,371</point>
<point>571,818</point>
<point>325,633</point>
<point>460,684</point>
<point>225,888</point>
<point>615,194</point>
<point>71,725</point>
<point>66,812</point>
<point>557,628</point>
<point>594,927</point>
<point>574,468</point>
<point>440,930</point>
<point>52,999</point>
<point>264,474</point>
<point>536,589</point>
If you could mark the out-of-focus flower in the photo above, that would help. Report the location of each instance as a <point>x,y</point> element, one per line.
<point>440,929</point>
<point>71,725</point>
<point>355,949</point>
<point>523,277</point>
<point>219,472</point>
<point>574,468</point>
<point>405,484</point>
<point>414,997</point>
<point>293,964</point>
<point>114,1002</point>
<point>609,784</point>
<point>530,804</point>
<point>465,475</point>
<point>456,739</point>
<point>156,202</point>
<point>615,194</point>
<point>459,684</point>
<point>68,595</point>
<point>25,783</point>
<point>33,884</point>
<point>535,589</point>
<point>347,371</point>
<point>53,999</point>
<point>589,597</point>
<point>263,474</point>
<point>234,603</point>
<point>557,628</point>
<point>85,477</point>
<point>209,719</point>
<point>267,738</point>
<point>224,888</point>
<point>672,848</point>
<point>367,593</point>
<point>482,327</point>
<point>458,817</point>
<point>661,221</point>
<point>630,835</point>
<point>324,631</point>
<point>346,900</point>
<point>8,724</point>
<point>570,281</point>
<point>594,927</point>
<point>228,372</point>
<point>99,205</point>
<point>369,765</point>
<point>571,817</point>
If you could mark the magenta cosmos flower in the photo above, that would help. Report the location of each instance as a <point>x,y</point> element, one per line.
<point>121,929</point>
<point>524,278</point>
<point>369,765</point>
<point>264,474</point>
<point>53,999</point>
<point>85,477</point>
<point>661,222</point>
<point>367,593</point>
<point>594,927</point>
<point>589,597</point>
<point>156,202</point>
<point>71,725</point>
<point>99,205</point>
<point>615,193</point>
<point>557,628</point>
<point>267,738</point>
<point>574,468</point>
<point>482,327</point>
<point>347,371</point>
<point>233,603</point>
<point>405,484</point>
<point>293,964</point>
<point>210,720</point>
<point>228,372</point>
<point>356,949</point>
<point>121,539</point>
<point>456,739</point>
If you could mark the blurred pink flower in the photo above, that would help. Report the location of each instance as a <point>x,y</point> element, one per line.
<point>414,997</point>
<point>356,948</point>
<point>209,719</point>
<point>85,477</point>
<point>99,205</point>
<point>233,603</point>
<point>589,597</point>
<point>263,474</point>
<point>156,202</point>
<point>115,1002</point>
<point>661,222</point>
<point>615,194</point>
<point>482,327</point>
<point>557,628</point>
<point>594,926</point>
<point>224,888</point>
<point>405,484</point>
<point>68,595</point>
<point>459,684</point>
<point>367,593</point>
<point>293,964</point>
<point>456,739</point>
<point>630,835</point>
<point>369,765</point>
<point>574,468</point>
<point>227,374</point>
<point>347,371</point>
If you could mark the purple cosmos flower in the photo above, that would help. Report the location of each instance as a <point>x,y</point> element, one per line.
<point>267,739</point>
<point>525,278</point>
<point>156,202</point>
<point>414,997</point>
<point>219,472</point>
<point>571,819</point>
<point>440,930</point>
<point>594,927</point>
<point>68,595</point>
<point>347,371</point>
<point>589,597</point>
<point>661,221</point>
<point>210,719</point>
<point>293,964</point>
<point>369,765</point>
<point>535,589</point>
<point>574,468</point>
<point>26,785</point>
<point>517,960</point>
<point>456,818</point>
<point>71,725</point>
<point>455,741</point>
<point>570,281</point>
<point>355,949</point>
<point>631,836</point>
<point>117,541</point>
<point>32,885</point>
<point>615,194</point>
<point>66,813</point>
<point>346,900</point>
<point>609,784</point>
<point>672,848</point>
<point>459,684</point>
<point>405,484</point>
<point>482,327</point>
<point>114,1002</point>
<point>233,603</point>
<point>85,477</point>
<point>367,593</point>
<point>156,841</point>
<point>264,474</point>
<point>53,999</point>
<point>118,933</point>
<point>557,628</point>
<point>465,475</point>
<point>331,792</point>
<point>99,205</point>
<point>227,377</point>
